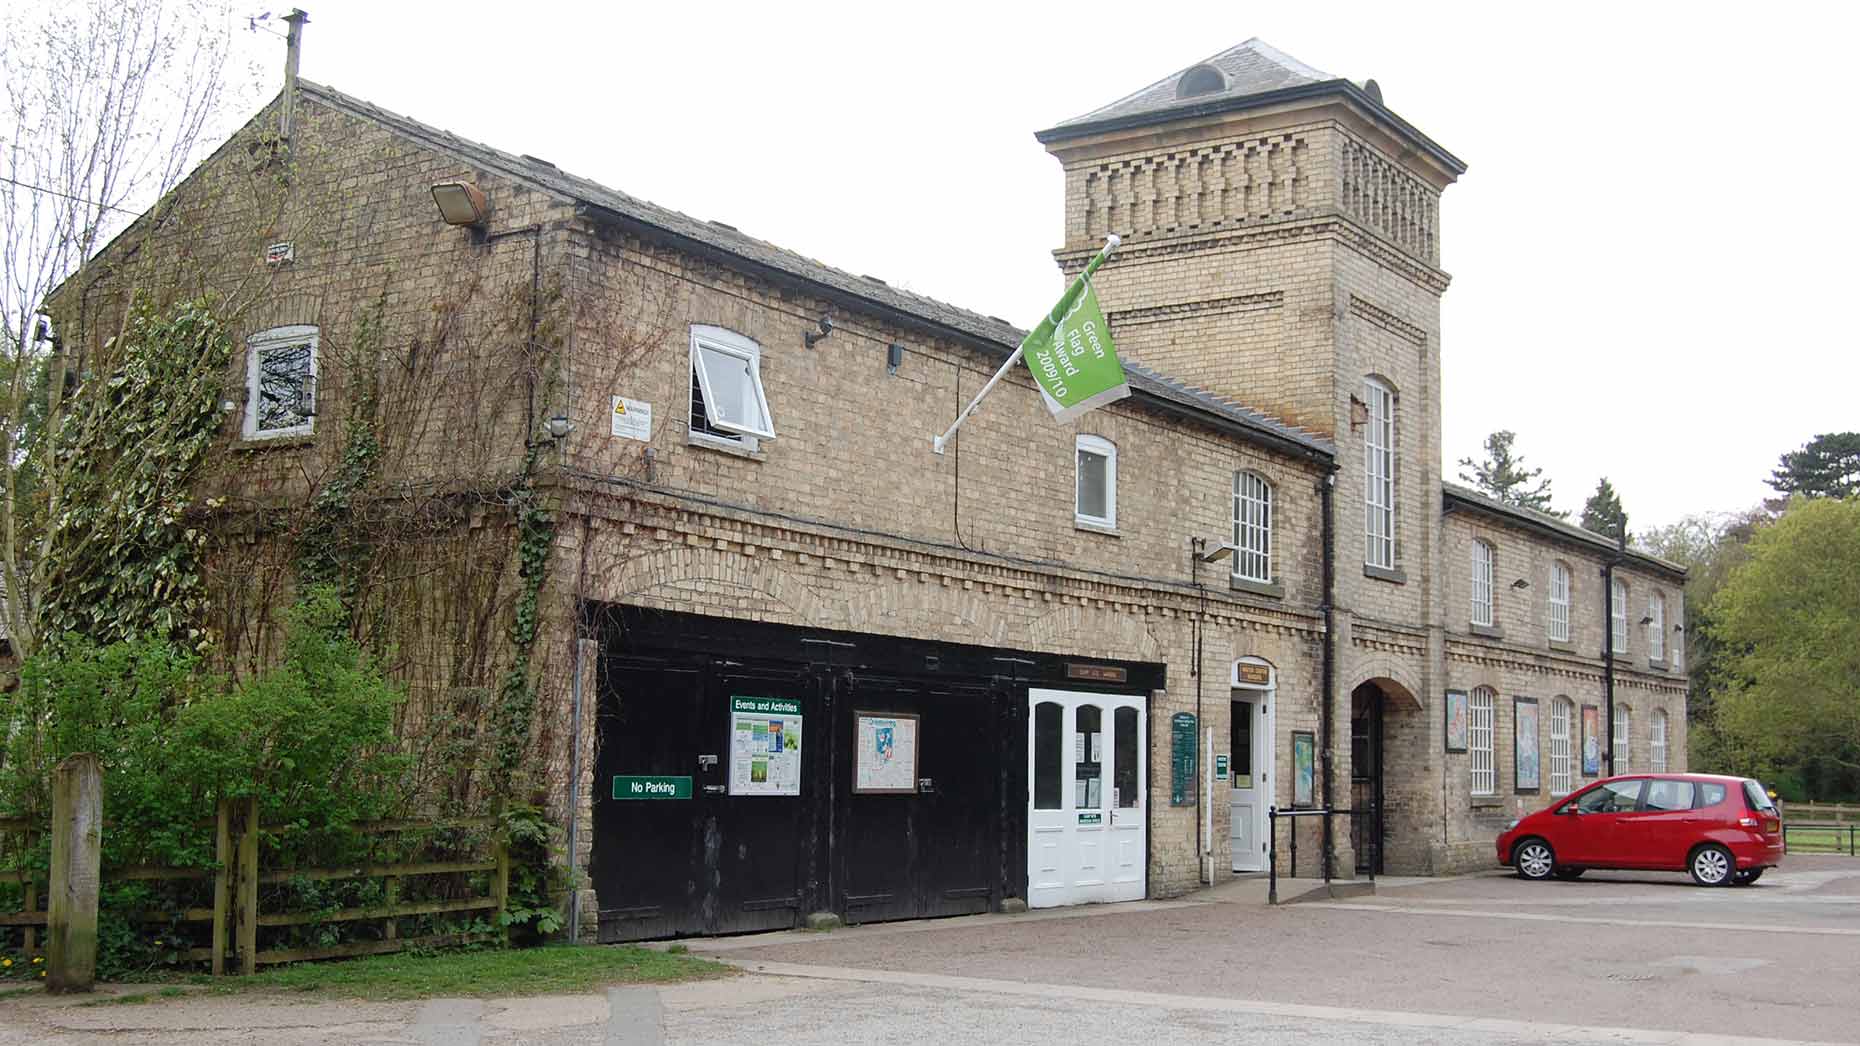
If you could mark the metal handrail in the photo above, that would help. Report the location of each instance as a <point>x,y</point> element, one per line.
<point>1852,831</point>
<point>1273,814</point>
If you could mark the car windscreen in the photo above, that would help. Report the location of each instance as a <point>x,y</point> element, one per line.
<point>1758,797</point>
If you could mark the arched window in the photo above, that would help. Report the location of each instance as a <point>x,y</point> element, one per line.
<point>1379,475</point>
<point>1481,583</point>
<point>1479,741</point>
<point>1559,601</point>
<point>280,371</point>
<point>1619,615</point>
<point>1656,742</point>
<point>1202,79</point>
<point>1656,627</point>
<point>1624,733</point>
<point>1096,491</point>
<point>1562,714</point>
<point>1252,528</point>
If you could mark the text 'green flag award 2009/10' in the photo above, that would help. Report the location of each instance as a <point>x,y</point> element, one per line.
<point>1069,353</point>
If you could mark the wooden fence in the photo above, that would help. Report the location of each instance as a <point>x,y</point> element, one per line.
<point>1830,813</point>
<point>236,875</point>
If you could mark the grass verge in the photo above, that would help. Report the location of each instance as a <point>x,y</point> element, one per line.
<point>552,970</point>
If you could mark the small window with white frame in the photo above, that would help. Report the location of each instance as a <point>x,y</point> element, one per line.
<point>1482,583</point>
<point>280,374</point>
<point>1618,625</point>
<point>1095,493</point>
<point>728,404</point>
<point>1656,742</point>
<point>1559,601</point>
<point>1252,528</point>
<point>1656,626</point>
<point>1624,735</point>
<point>1479,729</point>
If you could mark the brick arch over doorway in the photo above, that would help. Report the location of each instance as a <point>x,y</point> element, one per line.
<point>1388,739</point>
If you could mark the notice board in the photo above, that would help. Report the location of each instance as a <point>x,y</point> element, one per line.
<point>765,746</point>
<point>1182,746</point>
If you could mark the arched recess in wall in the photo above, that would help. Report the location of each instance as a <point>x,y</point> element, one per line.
<point>926,609</point>
<point>1401,692</point>
<point>700,580</point>
<point>1122,637</point>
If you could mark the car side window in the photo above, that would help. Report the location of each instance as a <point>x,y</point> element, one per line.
<point>1710,794</point>
<point>1612,797</point>
<point>1664,795</point>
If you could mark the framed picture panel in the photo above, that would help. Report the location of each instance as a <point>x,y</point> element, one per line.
<point>1304,769</point>
<point>1527,765</point>
<point>1591,741</point>
<point>1458,729</point>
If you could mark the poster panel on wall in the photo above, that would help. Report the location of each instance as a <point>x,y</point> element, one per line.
<point>765,746</point>
<point>1524,737</point>
<point>884,753</point>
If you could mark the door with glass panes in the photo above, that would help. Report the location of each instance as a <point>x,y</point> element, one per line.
<point>1087,764</point>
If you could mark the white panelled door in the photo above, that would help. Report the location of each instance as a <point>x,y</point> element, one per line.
<point>1087,768</point>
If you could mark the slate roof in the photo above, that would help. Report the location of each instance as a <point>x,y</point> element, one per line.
<point>981,331</point>
<point>1543,521</point>
<point>1254,67</point>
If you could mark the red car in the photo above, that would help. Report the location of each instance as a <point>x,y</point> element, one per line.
<point>1724,830</point>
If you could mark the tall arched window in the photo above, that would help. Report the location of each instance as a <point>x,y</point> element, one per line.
<point>1559,601</point>
<point>1379,476</point>
<point>1656,627</point>
<point>1481,583</point>
<point>1562,714</point>
<point>1252,528</point>
<point>1479,741</point>
<point>1624,733</point>
<point>1618,613</point>
<point>1656,742</point>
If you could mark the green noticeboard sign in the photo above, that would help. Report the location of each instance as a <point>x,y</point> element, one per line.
<point>1091,818</point>
<point>652,787</point>
<point>774,705</point>
<point>1220,768</point>
<point>1182,787</point>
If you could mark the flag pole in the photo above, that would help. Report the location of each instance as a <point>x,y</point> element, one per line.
<point>937,444</point>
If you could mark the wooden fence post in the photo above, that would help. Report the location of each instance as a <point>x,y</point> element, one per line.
<point>222,882</point>
<point>500,885</point>
<point>248,888</point>
<point>77,854</point>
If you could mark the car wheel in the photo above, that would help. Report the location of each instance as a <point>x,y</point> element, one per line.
<point>1568,874</point>
<point>1748,876</point>
<point>1712,866</point>
<point>1534,860</point>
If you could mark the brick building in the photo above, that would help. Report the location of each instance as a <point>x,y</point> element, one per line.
<point>789,660</point>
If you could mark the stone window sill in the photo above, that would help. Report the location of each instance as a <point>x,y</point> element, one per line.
<point>1561,647</point>
<point>1488,631</point>
<point>1096,528</point>
<point>1488,802</point>
<point>724,446</point>
<point>274,442</point>
<point>1395,576</point>
<point>1274,589</point>
<point>1656,666</point>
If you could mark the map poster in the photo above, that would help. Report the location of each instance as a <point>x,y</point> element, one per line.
<point>884,753</point>
<point>765,746</point>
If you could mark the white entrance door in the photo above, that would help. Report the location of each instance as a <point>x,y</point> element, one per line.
<point>1087,765</point>
<point>1250,775</point>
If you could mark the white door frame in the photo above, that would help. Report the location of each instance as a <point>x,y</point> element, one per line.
<point>1081,853</point>
<point>1261,736</point>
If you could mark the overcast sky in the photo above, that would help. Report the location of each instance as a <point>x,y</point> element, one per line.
<point>1652,250</point>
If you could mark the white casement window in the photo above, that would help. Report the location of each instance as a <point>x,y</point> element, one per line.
<point>1624,732</point>
<point>1252,528</point>
<point>727,401</point>
<point>280,379</point>
<point>1656,742</point>
<point>1619,622</point>
<point>1379,476</point>
<point>1656,627</point>
<point>1479,741</point>
<point>1481,583</point>
<point>1095,502</point>
<point>1562,713</point>
<point>1559,601</point>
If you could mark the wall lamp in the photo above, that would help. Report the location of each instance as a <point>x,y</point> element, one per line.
<point>825,326</point>
<point>1199,553</point>
<point>1520,583</point>
<point>555,430</point>
<point>1648,620</point>
<point>894,357</point>
<point>461,203</point>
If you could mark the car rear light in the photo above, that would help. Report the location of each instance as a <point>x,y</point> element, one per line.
<point>1747,822</point>
<point>1771,825</point>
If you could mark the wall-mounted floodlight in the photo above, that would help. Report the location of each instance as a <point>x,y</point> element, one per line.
<point>1521,583</point>
<point>461,203</point>
<point>559,426</point>
<point>825,326</point>
<point>894,357</point>
<point>1215,554</point>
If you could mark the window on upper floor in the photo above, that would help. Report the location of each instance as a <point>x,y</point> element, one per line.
<point>281,382</point>
<point>1562,716</point>
<point>728,404</point>
<point>1624,734</point>
<point>1559,601</point>
<point>1095,500</point>
<point>1479,711</point>
<point>1252,528</point>
<point>1481,583</point>
<point>1656,627</point>
<point>1618,617</point>
<point>1656,742</point>
<point>1379,475</point>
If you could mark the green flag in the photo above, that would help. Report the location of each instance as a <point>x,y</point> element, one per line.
<point>1071,355</point>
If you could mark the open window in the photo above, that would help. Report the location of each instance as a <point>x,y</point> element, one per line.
<point>281,382</point>
<point>727,400</point>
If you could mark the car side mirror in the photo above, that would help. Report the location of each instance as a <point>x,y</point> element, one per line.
<point>1571,810</point>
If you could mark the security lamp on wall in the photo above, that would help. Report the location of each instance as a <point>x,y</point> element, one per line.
<point>461,203</point>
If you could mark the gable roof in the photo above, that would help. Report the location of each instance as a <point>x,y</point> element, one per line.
<point>1254,74</point>
<point>987,333</point>
<point>1456,496</point>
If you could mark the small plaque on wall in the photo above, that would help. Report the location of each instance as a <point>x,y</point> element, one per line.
<point>1097,673</point>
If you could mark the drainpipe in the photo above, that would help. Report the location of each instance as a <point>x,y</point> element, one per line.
<point>1608,652</point>
<point>1327,493</point>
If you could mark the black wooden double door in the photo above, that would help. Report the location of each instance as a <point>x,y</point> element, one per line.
<point>721,863</point>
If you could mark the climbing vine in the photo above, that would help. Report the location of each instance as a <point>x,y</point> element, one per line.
<point>124,557</point>
<point>334,546</point>
<point>516,704</point>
